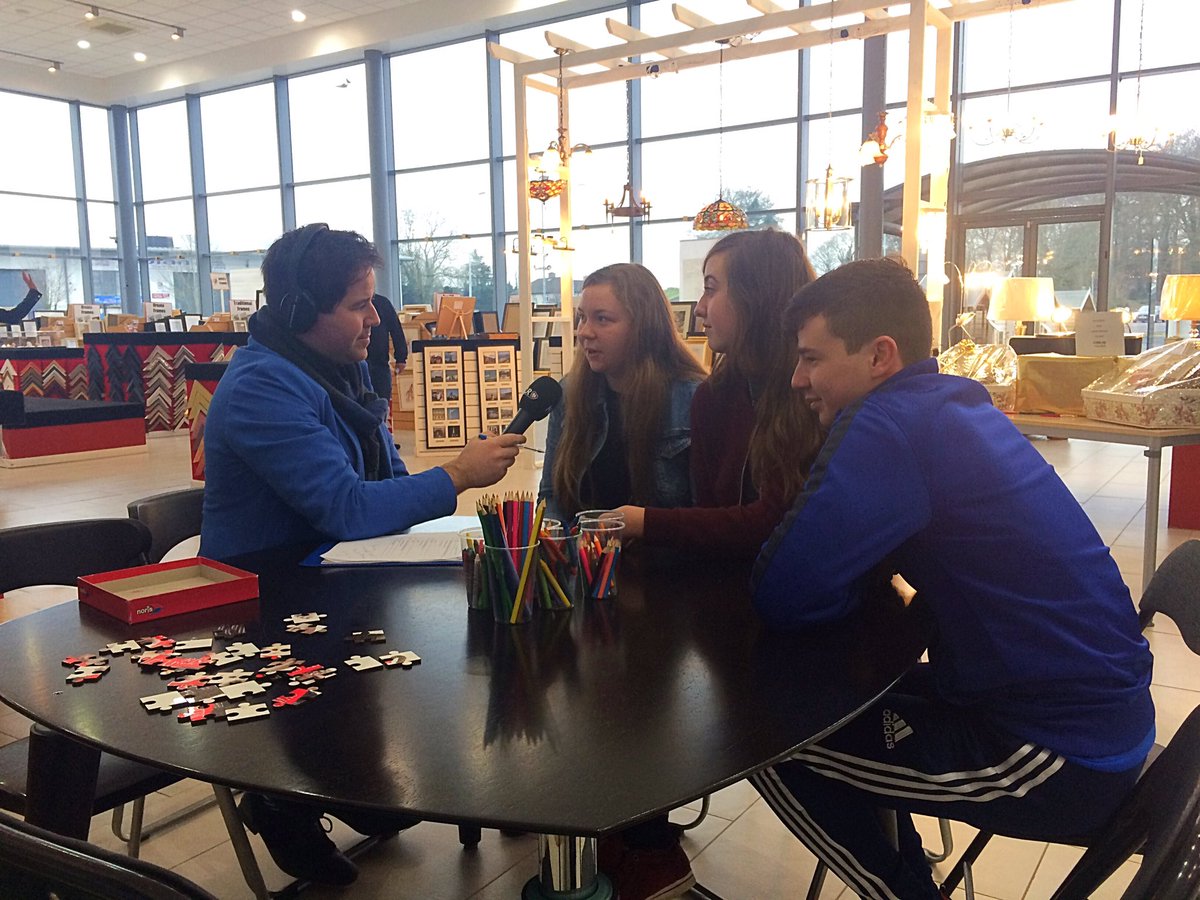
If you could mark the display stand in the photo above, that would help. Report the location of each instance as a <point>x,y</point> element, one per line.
<point>462,388</point>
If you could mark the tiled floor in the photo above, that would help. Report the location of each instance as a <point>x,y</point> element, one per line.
<point>740,850</point>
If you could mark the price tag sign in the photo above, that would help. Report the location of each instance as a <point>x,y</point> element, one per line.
<point>1099,334</point>
<point>220,280</point>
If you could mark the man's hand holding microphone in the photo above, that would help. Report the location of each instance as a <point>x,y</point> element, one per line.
<point>485,459</point>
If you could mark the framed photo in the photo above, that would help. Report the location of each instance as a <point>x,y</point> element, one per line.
<point>444,409</point>
<point>698,346</point>
<point>512,317</point>
<point>681,314</point>
<point>497,387</point>
<point>489,322</point>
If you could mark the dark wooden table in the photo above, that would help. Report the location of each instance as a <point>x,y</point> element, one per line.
<point>577,724</point>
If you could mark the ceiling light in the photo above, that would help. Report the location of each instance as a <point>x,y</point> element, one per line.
<point>177,34</point>
<point>54,67</point>
<point>93,12</point>
<point>83,45</point>
<point>298,16</point>
<point>139,56</point>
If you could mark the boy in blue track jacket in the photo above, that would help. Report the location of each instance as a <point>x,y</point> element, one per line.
<point>1033,716</point>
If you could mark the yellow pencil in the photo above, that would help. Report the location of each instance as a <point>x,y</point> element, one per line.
<point>537,528</point>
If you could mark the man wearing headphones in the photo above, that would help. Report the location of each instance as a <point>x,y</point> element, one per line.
<point>297,453</point>
<point>296,450</point>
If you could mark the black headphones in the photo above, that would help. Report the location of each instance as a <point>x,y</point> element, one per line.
<point>297,307</point>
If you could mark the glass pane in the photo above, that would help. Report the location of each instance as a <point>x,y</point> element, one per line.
<point>598,113</point>
<point>97,158</point>
<point>1062,118</point>
<point>897,65</point>
<point>446,265</point>
<point>991,253</point>
<point>456,110</point>
<point>329,124</point>
<point>1036,37</point>
<point>681,176</point>
<point>241,145</point>
<point>165,157</point>
<point>175,278</point>
<point>1069,252</point>
<point>1166,40</point>
<point>444,202</point>
<point>344,205</point>
<point>38,222</point>
<point>841,83</point>
<point>829,249</point>
<point>59,278</point>
<point>35,155</point>
<point>244,270</point>
<point>106,282</point>
<point>1154,235</point>
<point>244,221</point>
<point>688,100</point>
<point>102,226</point>
<point>665,244</point>
<point>835,142</point>
<point>1159,106</point>
<point>170,228</point>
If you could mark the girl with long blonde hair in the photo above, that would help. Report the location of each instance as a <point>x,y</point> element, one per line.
<point>622,434</point>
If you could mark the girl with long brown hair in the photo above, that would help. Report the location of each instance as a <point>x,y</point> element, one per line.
<point>753,439</point>
<point>621,434</point>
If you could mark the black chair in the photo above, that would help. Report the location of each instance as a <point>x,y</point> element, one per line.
<point>1150,811</point>
<point>58,553</point>
<point>38,863</point>
<point>171,517</point>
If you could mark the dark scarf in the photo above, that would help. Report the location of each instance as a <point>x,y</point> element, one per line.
<point>354,404</point>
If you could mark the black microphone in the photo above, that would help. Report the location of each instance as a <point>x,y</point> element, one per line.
<point>535,404</point>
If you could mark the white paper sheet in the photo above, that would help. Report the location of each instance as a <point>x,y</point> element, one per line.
<point>429,542</point>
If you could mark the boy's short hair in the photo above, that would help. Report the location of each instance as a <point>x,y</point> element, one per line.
<point>867,299</point>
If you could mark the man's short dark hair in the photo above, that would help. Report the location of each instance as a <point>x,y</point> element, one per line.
<point>867,299</point>
<point>332,261</point>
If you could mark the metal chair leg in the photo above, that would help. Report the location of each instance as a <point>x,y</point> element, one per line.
<point>700,816</point>
<point>818,881</point>
<point>947,843</point>
<point>241,843</point>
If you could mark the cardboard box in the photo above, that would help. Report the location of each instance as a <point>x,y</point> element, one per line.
<point>166,589</point>
<point>1165,408</point>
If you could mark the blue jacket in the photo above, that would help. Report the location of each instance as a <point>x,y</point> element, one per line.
<point>672,480</point>
<point>1036,629</point>
<point>281,467</point>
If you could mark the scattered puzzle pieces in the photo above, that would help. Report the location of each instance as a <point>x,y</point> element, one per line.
<point>158,642</point>
<point>197,644</point>
<point>242,689</point>
<point>85,674</point>
<point>374,636</point>
<point>310,675</point>
<point>154,660</point>
<point>307,629</point>
<point>363,663</point>
<point>221,658</point>
<point>275,651</point>
<point>295,697</point>
<point>279,669</point>
<point>163,702</point>
<point>405,659</point>
<point>311,618</point>
<point>243,648</point>
<point>119,647</point>
<point>88,659</point>
<point>198,715</point>
<point>244,712</point>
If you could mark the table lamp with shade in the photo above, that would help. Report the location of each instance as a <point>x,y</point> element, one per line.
<point>1022,300</point>
<point>1181,300</point>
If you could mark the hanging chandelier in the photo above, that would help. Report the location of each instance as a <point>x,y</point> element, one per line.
<point>627,207</point>
<point>553,163</point>
<point>720,215</point>
<point>827,200</point>
<point>1134,133</point>
<point>1006,127</point>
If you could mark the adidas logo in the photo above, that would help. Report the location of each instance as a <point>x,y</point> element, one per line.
<point>895,729</point>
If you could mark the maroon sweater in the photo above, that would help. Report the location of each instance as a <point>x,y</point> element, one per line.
<point>728,515</point>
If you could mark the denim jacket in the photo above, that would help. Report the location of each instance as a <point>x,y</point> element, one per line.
<point>672,480</point>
